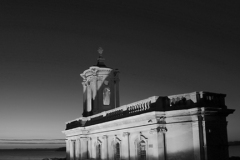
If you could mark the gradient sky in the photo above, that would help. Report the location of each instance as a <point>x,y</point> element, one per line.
<point>161,48</point>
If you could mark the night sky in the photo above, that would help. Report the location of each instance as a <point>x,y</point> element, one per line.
<point>160,47</point>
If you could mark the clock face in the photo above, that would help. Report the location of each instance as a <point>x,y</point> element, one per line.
<point>106,82</point>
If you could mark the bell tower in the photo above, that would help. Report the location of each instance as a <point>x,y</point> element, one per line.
<point>100,88</point>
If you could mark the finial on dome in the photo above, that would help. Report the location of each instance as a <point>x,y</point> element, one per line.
<point>100,50</point>
<point>100,61</point>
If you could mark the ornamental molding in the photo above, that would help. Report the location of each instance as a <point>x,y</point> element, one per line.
<point>161,120</point>
<point>117,139</point>
<point>89,138</point>
<point>85,131</point>
<point>84,138</point>
<point>142,137</point>
<point>74,132</point>
<point>161,129</point>
<point>99,141</point>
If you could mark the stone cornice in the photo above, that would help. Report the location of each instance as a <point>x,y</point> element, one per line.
<point>76,131</point>
<point>154,117</point>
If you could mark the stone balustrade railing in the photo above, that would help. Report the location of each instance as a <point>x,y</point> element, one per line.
<point>155,103</point>
<point>197,99</point>
<point>116,113</point>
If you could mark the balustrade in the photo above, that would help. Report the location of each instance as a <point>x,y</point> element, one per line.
<point>197,99</point>
<point>117,113</point>
<point>175,102</point>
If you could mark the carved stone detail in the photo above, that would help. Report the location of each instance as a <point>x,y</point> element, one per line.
<point>118,139</point>
<point>162,129</point>
<point>161,120</point>
<point>99,141</point>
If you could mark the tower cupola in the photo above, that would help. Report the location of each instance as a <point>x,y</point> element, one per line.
<point>100,87</point>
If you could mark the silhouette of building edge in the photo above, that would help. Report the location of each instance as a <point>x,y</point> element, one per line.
<point>190,126</point>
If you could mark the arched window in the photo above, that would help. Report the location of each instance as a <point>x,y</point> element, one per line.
<point>106,96</point>
<point>117,151</point>
<point>98,151</point>
<point>143,154</point>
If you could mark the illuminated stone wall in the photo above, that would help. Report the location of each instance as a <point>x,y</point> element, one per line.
<point>186,134</point>
<point>190,126</point>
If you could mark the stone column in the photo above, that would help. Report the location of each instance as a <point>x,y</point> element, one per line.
<point>127,134</point>
<point>99,95</point>
<point>68,149</point>
<point>78,149</point>
<point>71,149</point>
<point>84,147</point>
<point>89,99</point>
<point>105,147</point>
<point>84,97</point>
<point>89,148</point>
<point>94,88</point>
<point>95,95</point>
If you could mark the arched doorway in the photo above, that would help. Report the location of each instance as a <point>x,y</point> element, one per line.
<point>98,151</point>
<point>143,153</point>
<point>117,151</point>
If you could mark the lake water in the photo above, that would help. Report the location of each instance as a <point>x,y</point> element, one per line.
<point>30,154</point>
<point>40,154</point>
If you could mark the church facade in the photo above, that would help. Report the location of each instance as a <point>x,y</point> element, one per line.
<point>190,126</point>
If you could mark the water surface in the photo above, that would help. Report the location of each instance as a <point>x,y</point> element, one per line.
<point>30,154</point>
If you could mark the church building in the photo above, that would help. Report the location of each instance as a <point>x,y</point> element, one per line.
<point>189,126</point>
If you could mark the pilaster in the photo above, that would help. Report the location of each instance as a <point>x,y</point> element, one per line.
<point>160,142</point>
<point>196,141</point>
<point>89,98</point>
<point>105,147</point>
<point>96,100</point>
<point>67,149</point>
<point>89,148</point>
<point>84,147</point>
<point>78,149</point>
<point>84,96</point>
<point>72,150</point>
<point>126,155</point>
